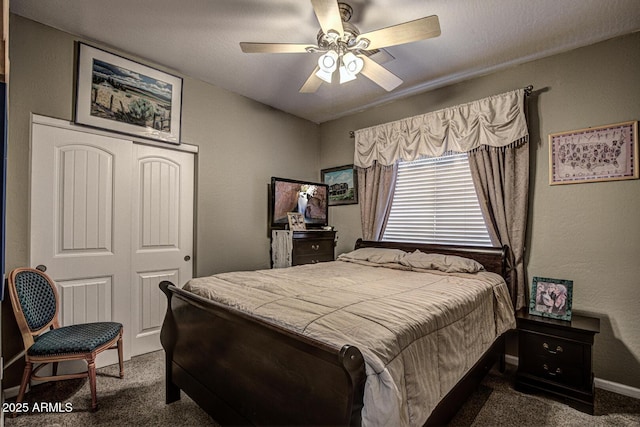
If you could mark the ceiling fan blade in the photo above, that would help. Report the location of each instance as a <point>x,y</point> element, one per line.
<point>420,29</point>
<point>312,84</point>
<point>275,47</point>
<point>328,15</point>
<point>379,75</point>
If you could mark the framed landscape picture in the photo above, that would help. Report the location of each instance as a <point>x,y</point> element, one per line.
<point>603,153</point>
<point>551,298</point>
<point>343,185</point>
<point>121,95</point>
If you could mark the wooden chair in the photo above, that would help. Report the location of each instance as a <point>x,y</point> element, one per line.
<point>35,301</point>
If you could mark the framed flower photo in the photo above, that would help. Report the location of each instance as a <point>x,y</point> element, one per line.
<point>551,298</point>
<point>120,95</point>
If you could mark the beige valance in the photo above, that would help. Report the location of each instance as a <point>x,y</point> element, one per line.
<point>496,121</point>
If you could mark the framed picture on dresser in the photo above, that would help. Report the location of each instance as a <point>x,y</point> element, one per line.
<point>296,221</point>
<point>551,298</point>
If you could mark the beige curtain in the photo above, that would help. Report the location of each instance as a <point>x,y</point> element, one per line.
<point>496,121</point>
<point>376,185</point>
<point>501,179</point>
<point>493,131</point>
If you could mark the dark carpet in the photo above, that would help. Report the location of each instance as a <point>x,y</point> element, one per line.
<point>138,400</point>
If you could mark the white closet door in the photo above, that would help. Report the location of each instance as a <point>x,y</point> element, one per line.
<point>110,220</point>
<point>162,236</point>
<point>81,223</point>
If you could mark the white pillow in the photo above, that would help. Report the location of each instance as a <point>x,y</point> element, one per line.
<point>446,263</point>
<point>375,255</point>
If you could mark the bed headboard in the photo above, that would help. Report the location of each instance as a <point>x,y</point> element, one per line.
<point>493,259</point>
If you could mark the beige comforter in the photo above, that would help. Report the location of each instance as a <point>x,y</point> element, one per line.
<point>419,332</point>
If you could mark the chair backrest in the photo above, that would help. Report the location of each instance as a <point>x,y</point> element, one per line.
<point>34,299</point>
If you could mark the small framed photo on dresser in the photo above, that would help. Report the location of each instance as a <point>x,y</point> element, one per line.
<point>296,221</point>
<point>551,298</point>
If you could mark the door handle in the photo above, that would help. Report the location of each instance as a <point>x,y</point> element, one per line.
<point>187,258</point>
<point>41,267</point>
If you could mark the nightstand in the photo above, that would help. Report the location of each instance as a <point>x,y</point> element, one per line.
<point>555,356</point>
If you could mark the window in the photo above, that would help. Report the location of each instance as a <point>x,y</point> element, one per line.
<point>435,202</point>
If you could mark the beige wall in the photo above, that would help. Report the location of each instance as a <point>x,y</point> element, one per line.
<point>589,233</point>
<point>242,143</point>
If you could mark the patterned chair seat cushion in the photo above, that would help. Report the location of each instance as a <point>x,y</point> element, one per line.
<point>82,338</point>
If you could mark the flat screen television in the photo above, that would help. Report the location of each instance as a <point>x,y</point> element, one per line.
<point>311,199</point>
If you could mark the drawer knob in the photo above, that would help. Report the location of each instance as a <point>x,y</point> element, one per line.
<point>315,247</point>
<point>553,373</point>
<point>548,349</point>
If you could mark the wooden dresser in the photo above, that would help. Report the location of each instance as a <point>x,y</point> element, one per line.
<point>309,247</point>
<point>555,356</point>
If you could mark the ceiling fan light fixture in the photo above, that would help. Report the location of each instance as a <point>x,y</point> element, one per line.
<point>345,75</point>
<point>352,63</point>
<point>332,36</point>
<point>328,62</point>
<point>325,75</point>
<point>361,44</point>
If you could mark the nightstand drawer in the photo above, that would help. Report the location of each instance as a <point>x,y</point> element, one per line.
<point>312,247</point>
<point>551,369</point>
<point>555,349</point>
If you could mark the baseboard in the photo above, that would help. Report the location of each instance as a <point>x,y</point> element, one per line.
<point>11,392</point>
<point>622,389</point>
<point>511,360</point>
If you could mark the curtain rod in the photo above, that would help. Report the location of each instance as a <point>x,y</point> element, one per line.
<point>527,92</point>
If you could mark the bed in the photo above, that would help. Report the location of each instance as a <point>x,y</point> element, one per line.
<point>310,345</point>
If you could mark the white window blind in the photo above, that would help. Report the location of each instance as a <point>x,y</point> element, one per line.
<point>435,202</point>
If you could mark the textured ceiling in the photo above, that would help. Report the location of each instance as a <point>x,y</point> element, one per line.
<point>200,38</point>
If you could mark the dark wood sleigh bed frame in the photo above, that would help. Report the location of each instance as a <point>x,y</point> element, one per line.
<point>244,371</point>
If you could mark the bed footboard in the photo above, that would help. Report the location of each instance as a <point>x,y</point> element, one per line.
<point>242,370</point>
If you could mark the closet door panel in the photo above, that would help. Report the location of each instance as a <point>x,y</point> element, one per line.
<point>81,223</point>
<point>162,234</point>
<point>86,300</point>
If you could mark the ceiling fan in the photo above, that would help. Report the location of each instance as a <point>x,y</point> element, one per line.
<point>348,51</point>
